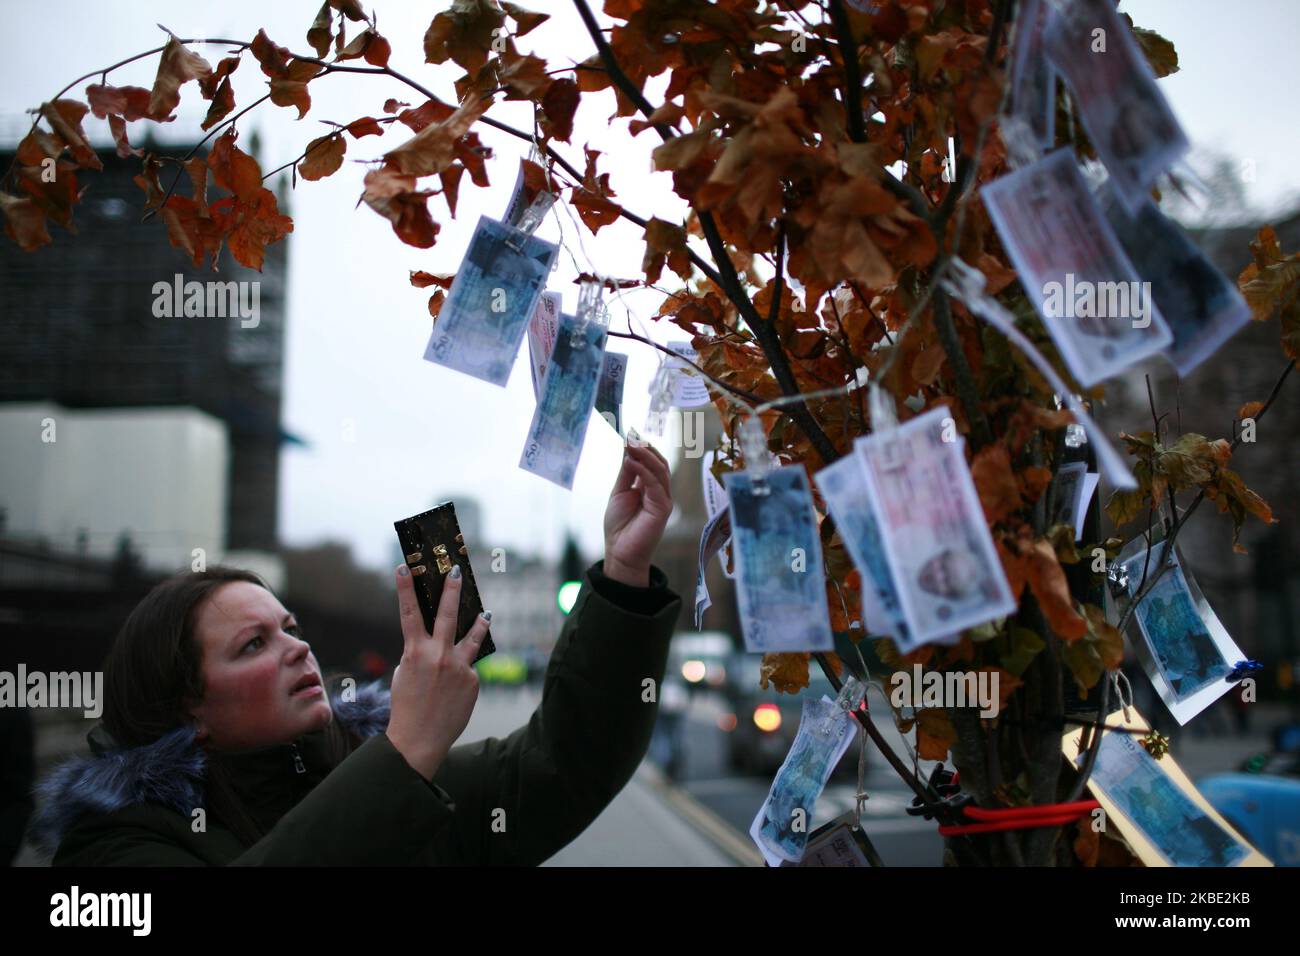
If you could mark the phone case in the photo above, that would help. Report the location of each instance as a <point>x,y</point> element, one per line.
<point>431,544</point>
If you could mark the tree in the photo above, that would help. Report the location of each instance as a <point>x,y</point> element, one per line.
<point>781,124</point>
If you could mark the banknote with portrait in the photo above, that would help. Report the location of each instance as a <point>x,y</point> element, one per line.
<point>541,337</point>
<point>1199,303</point>
<point>1033,78</point>
<point>843,485</point>
<point>1099,313</point>
<point>1124,111</point>
<point>935,536</point>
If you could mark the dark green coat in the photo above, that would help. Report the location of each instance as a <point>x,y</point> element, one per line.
<point>546,782</point>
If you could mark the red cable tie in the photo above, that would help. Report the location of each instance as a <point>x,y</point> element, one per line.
<point>1079,807</point>
<point>1010,825</point>
<point>1020,818</point>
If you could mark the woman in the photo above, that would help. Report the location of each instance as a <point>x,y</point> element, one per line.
<point>219,745</point>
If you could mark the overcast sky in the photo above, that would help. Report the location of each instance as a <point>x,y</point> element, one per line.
<point>357,330</point>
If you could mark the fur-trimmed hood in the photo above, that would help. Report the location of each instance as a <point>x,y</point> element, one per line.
<point>171,771</point>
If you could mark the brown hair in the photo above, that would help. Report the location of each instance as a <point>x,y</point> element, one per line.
<point>155,667</point>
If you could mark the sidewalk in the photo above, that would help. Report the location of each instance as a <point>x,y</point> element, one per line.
<point>640,828</point>
<point>647,824</point>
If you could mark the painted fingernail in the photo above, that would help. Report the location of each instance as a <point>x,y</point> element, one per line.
<point>455,572</point>
<point>486,615</point>
<point>404,571</point>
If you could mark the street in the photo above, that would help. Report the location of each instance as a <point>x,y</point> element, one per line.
<point>900,839</point>
<point>625,833</point>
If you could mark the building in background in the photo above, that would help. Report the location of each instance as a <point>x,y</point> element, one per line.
<point>522,599</point>
<point>132,445</point>
<point>79,331</point>
<point>95,480</point>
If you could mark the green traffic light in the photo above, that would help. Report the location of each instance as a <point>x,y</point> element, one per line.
<point>567,595</point>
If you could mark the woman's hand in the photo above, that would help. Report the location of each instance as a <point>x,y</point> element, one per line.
<point>636,515</point>
<point>435,686</point>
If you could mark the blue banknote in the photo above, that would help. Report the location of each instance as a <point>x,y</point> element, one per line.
<point>609,394</point>
<point>843,485</point>
<point>781,586</point>
<point>1199,303</point>
<point>783,822</point>
<point>482,324</point>
<point>1185,648</point>
<point>1181,831</point>
<point>559,425</point>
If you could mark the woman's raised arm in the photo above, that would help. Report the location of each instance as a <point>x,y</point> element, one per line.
<point>522,798</point>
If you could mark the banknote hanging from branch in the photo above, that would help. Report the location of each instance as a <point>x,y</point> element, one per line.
<point>882,193</point>
<point>1162,816</point>
<point>1184,648</point>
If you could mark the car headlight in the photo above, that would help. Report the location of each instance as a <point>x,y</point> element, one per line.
<point>767,717</point>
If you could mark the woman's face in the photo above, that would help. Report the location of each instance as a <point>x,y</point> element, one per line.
<point>261,683</point>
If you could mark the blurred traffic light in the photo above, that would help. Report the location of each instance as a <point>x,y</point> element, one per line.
<point>571,568</point>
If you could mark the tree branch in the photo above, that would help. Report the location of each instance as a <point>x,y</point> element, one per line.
<point>104,75</point>
<point>316,144</point>
<point>1094,743</point>
<point>729,280</point>
<point>696,259</point>
<point>917,785</point>
<point>852,74</point>
<point>980,432</point>
<point>1143,591</point>
<point>563,163</point>
<point>190,155</point>
<point>855,125</point>
<point>967,165</point>
<point>616,72</point>
<point>1045,767</point>
<point>1146,585</point>
<point>854,362</point>
<point>778,284</point>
